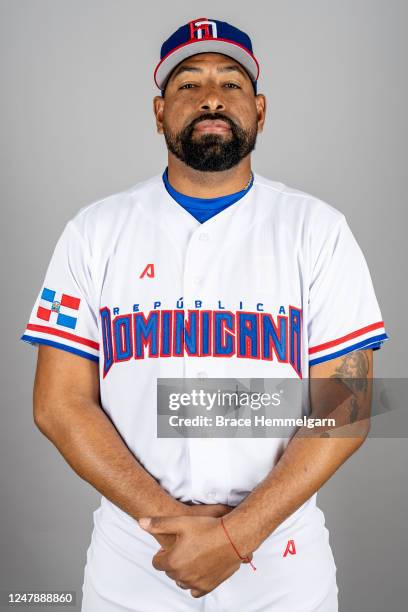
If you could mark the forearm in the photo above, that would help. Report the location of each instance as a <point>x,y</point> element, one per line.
<point>93,447</point>
<point>304,467</point>
<point>341,390</point>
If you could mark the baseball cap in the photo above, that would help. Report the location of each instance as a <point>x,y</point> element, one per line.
<point>204,35</point>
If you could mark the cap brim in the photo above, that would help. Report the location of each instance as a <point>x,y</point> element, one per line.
<point>211,45</point>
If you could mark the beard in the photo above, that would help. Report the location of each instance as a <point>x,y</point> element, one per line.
<point>211,152</point>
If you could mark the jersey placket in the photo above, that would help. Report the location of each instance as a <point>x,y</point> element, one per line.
<point>209,460</point>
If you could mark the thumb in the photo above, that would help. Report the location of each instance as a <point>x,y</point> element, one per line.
<point>162,524</point>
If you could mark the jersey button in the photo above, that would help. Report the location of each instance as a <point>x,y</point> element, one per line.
<point>204,237</point>
<point>201,374</point>
<point>212,494</point>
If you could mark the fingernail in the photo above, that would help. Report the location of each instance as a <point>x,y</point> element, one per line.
<point>144,522</point>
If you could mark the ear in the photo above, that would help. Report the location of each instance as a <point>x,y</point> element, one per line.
<point>158,109</point>
<point>260,102</point>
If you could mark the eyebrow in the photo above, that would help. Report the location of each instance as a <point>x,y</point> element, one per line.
<point>229,68</point>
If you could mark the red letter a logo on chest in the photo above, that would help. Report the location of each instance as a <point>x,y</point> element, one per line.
<point>148,271</point>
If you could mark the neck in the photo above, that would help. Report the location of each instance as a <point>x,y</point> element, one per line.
<point>199,184</point>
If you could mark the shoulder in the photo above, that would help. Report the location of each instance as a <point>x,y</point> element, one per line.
<point>304,208</point>
<point>103,217</point>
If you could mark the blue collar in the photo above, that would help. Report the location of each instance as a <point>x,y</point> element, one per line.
<point>204,208</point>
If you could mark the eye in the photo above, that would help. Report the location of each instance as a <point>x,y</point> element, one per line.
<point>231,85</point>
<point>187,86</point>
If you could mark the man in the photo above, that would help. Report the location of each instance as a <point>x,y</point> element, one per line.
<point>207,270</point>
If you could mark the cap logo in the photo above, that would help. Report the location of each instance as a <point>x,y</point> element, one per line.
<point>203,28</point>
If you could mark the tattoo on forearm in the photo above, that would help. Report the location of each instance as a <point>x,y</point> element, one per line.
<point>354,410</point>
<point>354,368</point>
<point>353,373</point>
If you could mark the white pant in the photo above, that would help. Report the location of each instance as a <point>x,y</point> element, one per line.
<point>119,576</point>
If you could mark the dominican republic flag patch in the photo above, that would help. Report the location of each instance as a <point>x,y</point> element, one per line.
<point>58,308</point>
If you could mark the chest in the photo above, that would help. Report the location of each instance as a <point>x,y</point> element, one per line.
<point>231,290</point>
<point>215,264</point>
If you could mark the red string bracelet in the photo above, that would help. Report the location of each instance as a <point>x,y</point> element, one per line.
<point>247,559</point>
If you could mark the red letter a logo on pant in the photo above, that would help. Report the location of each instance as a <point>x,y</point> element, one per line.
<point>290,548</point>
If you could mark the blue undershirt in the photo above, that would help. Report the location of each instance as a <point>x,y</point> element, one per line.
<point>203,209</point>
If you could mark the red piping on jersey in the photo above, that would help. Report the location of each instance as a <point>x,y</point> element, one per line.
<point>63,334</point>
<point>358,332</point>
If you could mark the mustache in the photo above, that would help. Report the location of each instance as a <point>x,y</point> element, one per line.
<point>211,117</point>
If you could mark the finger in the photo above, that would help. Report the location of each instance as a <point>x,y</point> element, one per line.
<point>162,561</point>
<point>248,558</point>
<point>157,564</point>
<point>171,575</point>
<point>162,524</point>
<point>165,540</point>
<point>182,585</point>
<point>196,593</point>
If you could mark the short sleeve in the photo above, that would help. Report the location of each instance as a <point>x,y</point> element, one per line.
<point>344,314</point>
<point>64,314</point>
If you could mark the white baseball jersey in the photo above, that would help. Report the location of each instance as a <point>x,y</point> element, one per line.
<point>271,285</point>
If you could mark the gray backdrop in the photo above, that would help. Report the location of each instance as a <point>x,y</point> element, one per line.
<point>77,125</point>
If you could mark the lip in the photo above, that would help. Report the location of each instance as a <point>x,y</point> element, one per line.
<point>211,125</point>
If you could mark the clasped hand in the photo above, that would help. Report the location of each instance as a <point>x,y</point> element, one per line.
<point>200,557</point>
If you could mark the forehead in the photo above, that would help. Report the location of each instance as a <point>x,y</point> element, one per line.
<point>209,61</point>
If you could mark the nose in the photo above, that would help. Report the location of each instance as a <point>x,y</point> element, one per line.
<point>212,101</point>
